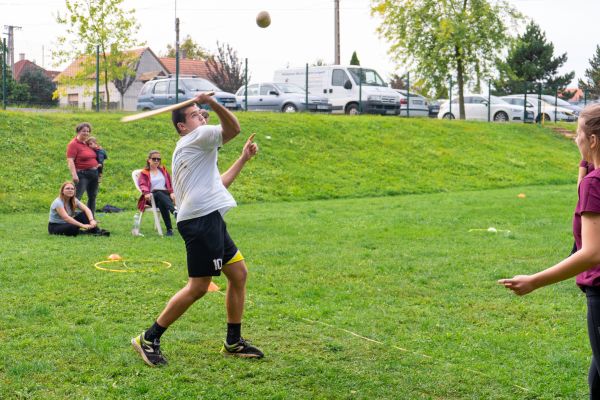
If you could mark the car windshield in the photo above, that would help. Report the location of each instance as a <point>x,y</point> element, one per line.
<point>497,100</point>
<point>200,85</point>
<point>290,88</point>
<point>370,77</point>
<point>550,100</point>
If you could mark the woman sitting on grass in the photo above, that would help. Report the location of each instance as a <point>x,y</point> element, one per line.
<point>155,181</point>
<point>64,220</point>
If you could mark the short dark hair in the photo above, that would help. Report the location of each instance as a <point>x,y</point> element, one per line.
<point>82,125</point>
<point>178,116</point>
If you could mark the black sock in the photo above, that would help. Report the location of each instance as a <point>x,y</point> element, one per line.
<point>154,332</point>
<point>234,333</point>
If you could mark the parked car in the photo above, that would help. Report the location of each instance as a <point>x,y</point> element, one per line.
<point>284,97</point>
<point>412,104</point>
<point>476,108</point>
<point>561,103</point>
<point>160,92</point>
<point>548,111</point>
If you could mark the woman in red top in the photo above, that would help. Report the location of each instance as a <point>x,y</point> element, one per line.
<point>585,262</point>
<point>83,165</point>
<point>155,181</point>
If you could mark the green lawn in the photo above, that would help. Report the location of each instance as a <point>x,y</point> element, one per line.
<point>365,280</point>
<point>389,297</point>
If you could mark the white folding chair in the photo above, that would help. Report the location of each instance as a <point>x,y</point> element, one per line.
<point>135,175</point>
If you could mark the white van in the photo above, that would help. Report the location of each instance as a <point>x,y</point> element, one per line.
<point>342,86</point>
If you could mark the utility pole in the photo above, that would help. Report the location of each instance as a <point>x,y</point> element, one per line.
<point>11,46</point>
<point>337,31</point>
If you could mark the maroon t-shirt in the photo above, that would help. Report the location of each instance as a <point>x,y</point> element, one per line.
<point>589,201</point>
<point>587,165</point>
<point>84,155</point>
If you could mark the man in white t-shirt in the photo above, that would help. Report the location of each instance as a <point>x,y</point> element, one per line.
<point>203,199</point>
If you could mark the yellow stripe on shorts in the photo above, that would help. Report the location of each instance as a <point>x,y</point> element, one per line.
<point>238,257</point>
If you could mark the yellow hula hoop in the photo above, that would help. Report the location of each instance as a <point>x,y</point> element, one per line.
<point>166,264</point>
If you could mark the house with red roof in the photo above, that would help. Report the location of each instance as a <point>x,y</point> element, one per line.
<point>148,66</point>
<point>24,65</point>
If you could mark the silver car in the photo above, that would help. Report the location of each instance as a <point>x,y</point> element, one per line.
<point>417,105</point>
<point>284,97</point>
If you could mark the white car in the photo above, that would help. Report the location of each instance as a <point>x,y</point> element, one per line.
<point>476,108</point>
<point>417,105</point>
<point>548,110</point>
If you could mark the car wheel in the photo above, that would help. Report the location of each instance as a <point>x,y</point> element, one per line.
<point>289,108</point>
<point>448,116</point>
<point>352,109</point>
<point>545,116</point>
<point>146,109</point>
<point>501,116</point>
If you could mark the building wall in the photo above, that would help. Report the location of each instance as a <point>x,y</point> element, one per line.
<point>148,63</point>
<point>85,96</point>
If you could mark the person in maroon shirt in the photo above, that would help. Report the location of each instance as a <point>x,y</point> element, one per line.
<point>83,165</point>
<point>585,262</point>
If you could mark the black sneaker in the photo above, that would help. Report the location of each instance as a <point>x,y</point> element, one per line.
<point>241,349</point>
<point>150,351</point>
<point>170,232</point>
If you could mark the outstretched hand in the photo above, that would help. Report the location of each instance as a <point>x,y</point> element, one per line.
<point>203,97</point>
<point>519,284</point>
<point>250,148</point>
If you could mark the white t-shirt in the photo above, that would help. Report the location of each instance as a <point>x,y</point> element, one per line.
<point>196,179</point>
<point>157,181</point>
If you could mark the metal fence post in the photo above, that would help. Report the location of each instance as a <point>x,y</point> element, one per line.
<point>525,104</point>
<point>306,87</point>
<point>489,104</point>
<point>540,103</point>
<point>246,85</point>
<point>555,102</point>
<point>408,95</point>
<point>360,75</point>
<point>450,98</point>
<point>4,91</point>
<point>97,78</point>
<point>585,93</point>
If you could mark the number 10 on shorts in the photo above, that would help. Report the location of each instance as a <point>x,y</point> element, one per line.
<point>218,264</point>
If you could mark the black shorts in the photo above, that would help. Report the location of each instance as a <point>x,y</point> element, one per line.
<point>209,246</point>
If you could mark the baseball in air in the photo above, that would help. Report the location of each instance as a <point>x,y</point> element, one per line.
<point>263,19</point>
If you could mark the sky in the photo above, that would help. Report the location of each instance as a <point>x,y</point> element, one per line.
<point>300,32</point>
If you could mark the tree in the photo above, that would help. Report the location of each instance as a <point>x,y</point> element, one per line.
<point>225,69</point>
<point>40,86</point>
<point>354,60</point>
<point>592,82</point>
<point>91,23</point>
<point>531,61</point>
<point>127,78</point>
<point>15,92</point>
<point>188,49</point>
<point>439,38</point>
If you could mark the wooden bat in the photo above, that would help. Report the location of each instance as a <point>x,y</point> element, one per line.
<point>151,113</point>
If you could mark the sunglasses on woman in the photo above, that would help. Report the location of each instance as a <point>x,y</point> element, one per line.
<point>157,159</point>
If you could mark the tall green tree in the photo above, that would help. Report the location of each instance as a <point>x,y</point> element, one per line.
<point>531,61</point>
<point>188,49</point>
<point>354,60</point>
<point>17,93</point>
<point>437,39</point>
<point>91,23</point>
<point>592,76</point>
<point>225,68</point>
<point>40,86</point>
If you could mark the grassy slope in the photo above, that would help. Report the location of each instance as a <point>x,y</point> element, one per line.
<point>307,156</point>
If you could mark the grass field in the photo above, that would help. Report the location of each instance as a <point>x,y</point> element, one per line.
<point>365,281</point>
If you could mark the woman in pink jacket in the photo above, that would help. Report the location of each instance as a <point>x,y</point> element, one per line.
<point>155,181</point>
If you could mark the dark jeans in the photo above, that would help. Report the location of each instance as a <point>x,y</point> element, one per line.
<point>88,182</point>
<point>68,229</point>
<point>593,321</point>
<point>165,205</point>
